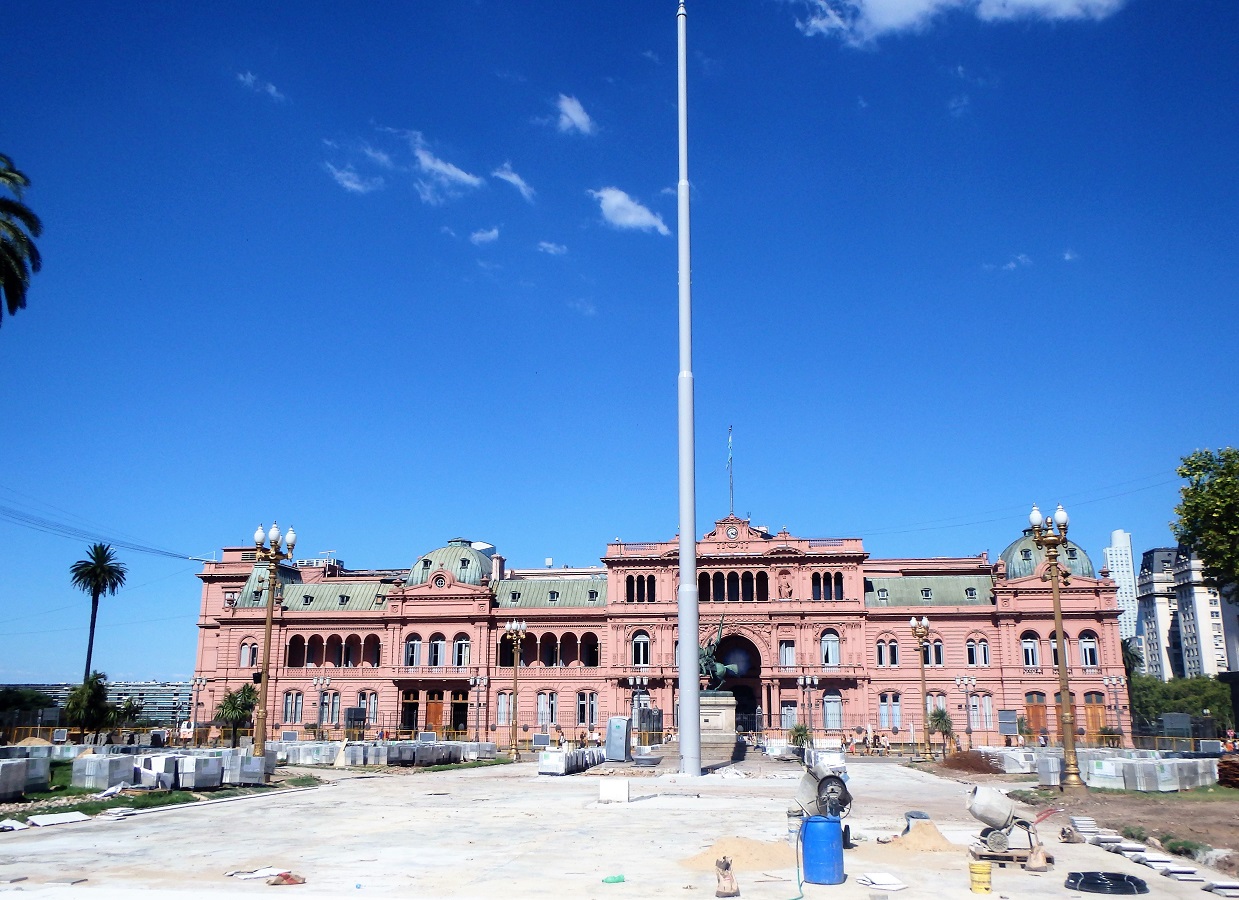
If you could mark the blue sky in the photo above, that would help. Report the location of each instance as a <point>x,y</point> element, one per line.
<point>399,273</point>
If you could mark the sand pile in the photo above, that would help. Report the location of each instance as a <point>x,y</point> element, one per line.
<point>34,742</point>
<point>745,853</point>
<point>924,835</point>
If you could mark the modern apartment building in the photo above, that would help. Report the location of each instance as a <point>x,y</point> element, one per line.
<point>1158,610</point>
<point>1201,625</point>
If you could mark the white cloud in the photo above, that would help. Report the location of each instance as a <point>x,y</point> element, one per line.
<point>651,56</point>
<point>584,307</point>
<point>505,173</point>
<point>348,179</point>
<point>552,249</point>
<point>1070,256</point>
<point>958,105</point>
<point>444,229</point>
<point>442,180</point>
<point>488,236</point>
<point>624,212</point>
<point>258,86</point>
<point>573,117</point>
<point>382,157</point>
<point>860,22</point>
<point>1016,262</point>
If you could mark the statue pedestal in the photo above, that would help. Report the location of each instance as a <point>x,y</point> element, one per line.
<point>718,727</point>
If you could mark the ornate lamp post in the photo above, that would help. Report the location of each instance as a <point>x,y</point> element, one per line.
<point>1114,682</point>
<point>272,556</point>
<point>199,684</point>
<point>478,681</point>
<point>967,683</point>
<point>1050,534</point>
<point>920,630</point>
<point>808,684</point>
<point>515,631</point>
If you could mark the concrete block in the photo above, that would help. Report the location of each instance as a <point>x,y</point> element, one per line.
<point>12,779</point>
<point>198,773</point>
<point>552,762</point>
<point>244,770</point>
<point>612,790</point>
<point>102,771</point>
<point>38,774</point>
<point>376,755</point>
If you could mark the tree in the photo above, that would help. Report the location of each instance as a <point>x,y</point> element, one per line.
<point>99,573</point>
<point>1208,516</point>
<point>940,723</point>
<point>128,712</point>
<point>1150,698</point>
<point>1133,659</point>
<point>23,700</point>
<point>236,708</point>
<point>87,706</point>
<point>19,257</point>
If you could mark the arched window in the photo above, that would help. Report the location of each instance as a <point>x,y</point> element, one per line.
<point>568,650</point>
<point>369,701</point>
<point>889,714</point>
<point>838,585</point>
<point>461,650</point>
<point>830,647</point>
<point>640,588</point>
<point>548,708</point>
<point>892,653</point>
<point>1054,648</point>
<point>249,655</point>
<point>970,649</point>
<point>589,650</point>
<point>650,590</point>
<point>641,649</point>
<point>1088,648</point>
<point>703,587</point>
<point>503,708</point>
<point>720,587</point>
<point>1031,646</point>
<point>733,587</point>
<point>630,589</point>
<point>371,651</point>
<point>938,657</point>
<point>296,652</point>
<point>881,653</point>
<point>352,651</point>
<point>586,708</point>
<point>746,587</point>
<point>505,652</point>
<point>314,651</point>
<point>763,587</point>
<point>1034,711</point>
<point>832,709</point>
<point>983,652</point>
<point>329,708</point>
<point>438,650</point>
<point>334,651</point>
<point>817,586</point>
<point>292,707</point>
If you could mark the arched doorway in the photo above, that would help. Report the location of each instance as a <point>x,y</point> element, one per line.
<point>737,650</point>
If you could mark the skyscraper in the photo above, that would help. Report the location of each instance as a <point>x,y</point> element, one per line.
<point>1122,569</point>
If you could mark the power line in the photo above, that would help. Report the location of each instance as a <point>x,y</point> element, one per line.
<point>62,529</point>
<point>105,625</point>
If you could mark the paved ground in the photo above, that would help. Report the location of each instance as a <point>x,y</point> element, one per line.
<point>506,832</point>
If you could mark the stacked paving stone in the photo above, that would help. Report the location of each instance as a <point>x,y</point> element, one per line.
<point>1107,839</point>
<point>569,762</point>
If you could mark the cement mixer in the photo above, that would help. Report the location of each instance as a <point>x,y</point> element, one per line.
<point>823,786</point>
<point>997,811</point>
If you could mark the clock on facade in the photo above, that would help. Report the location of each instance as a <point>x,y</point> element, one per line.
<point>732,531</point>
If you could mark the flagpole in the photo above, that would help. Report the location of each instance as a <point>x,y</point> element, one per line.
<point>690,700</point>
<point>731,477</point>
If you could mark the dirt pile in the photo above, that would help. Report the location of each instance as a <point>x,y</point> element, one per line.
<point>924,836</point>
<point>745,853</point>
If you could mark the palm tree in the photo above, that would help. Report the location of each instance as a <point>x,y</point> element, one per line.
<point>99,573</point>
<point>940,722</point>
<point>19,257</point>
<point>1133,659</point>
<point>87,705</point>
<point>236,708</point>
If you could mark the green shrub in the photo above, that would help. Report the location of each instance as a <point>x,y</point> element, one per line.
<point>1134,833</point>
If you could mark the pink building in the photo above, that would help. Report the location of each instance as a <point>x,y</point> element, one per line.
<point>422,648</point>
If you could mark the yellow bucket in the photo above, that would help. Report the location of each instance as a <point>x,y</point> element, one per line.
<point>978,873</point>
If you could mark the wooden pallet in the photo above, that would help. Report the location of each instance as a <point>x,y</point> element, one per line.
<point>1017,856</point>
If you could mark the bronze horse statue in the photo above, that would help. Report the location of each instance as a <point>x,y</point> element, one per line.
<point>713,671</point>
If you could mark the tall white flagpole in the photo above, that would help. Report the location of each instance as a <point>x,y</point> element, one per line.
<point>690,700</point>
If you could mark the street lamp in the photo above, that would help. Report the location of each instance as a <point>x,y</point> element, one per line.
<point>515,631</point>
<point>1050,534</point>
<point>967,683</point>
<point>478,681</point>
<point>920,630</point>
<point>272,556</point>
<point>1114,682</point>
<point>808,684</point>
<point>199,684</point>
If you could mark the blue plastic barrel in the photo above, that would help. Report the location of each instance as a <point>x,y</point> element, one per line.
<point>821,843</point>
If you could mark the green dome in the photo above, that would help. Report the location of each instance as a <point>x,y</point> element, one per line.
<point>466,565</point>
<point>1023,557</point>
